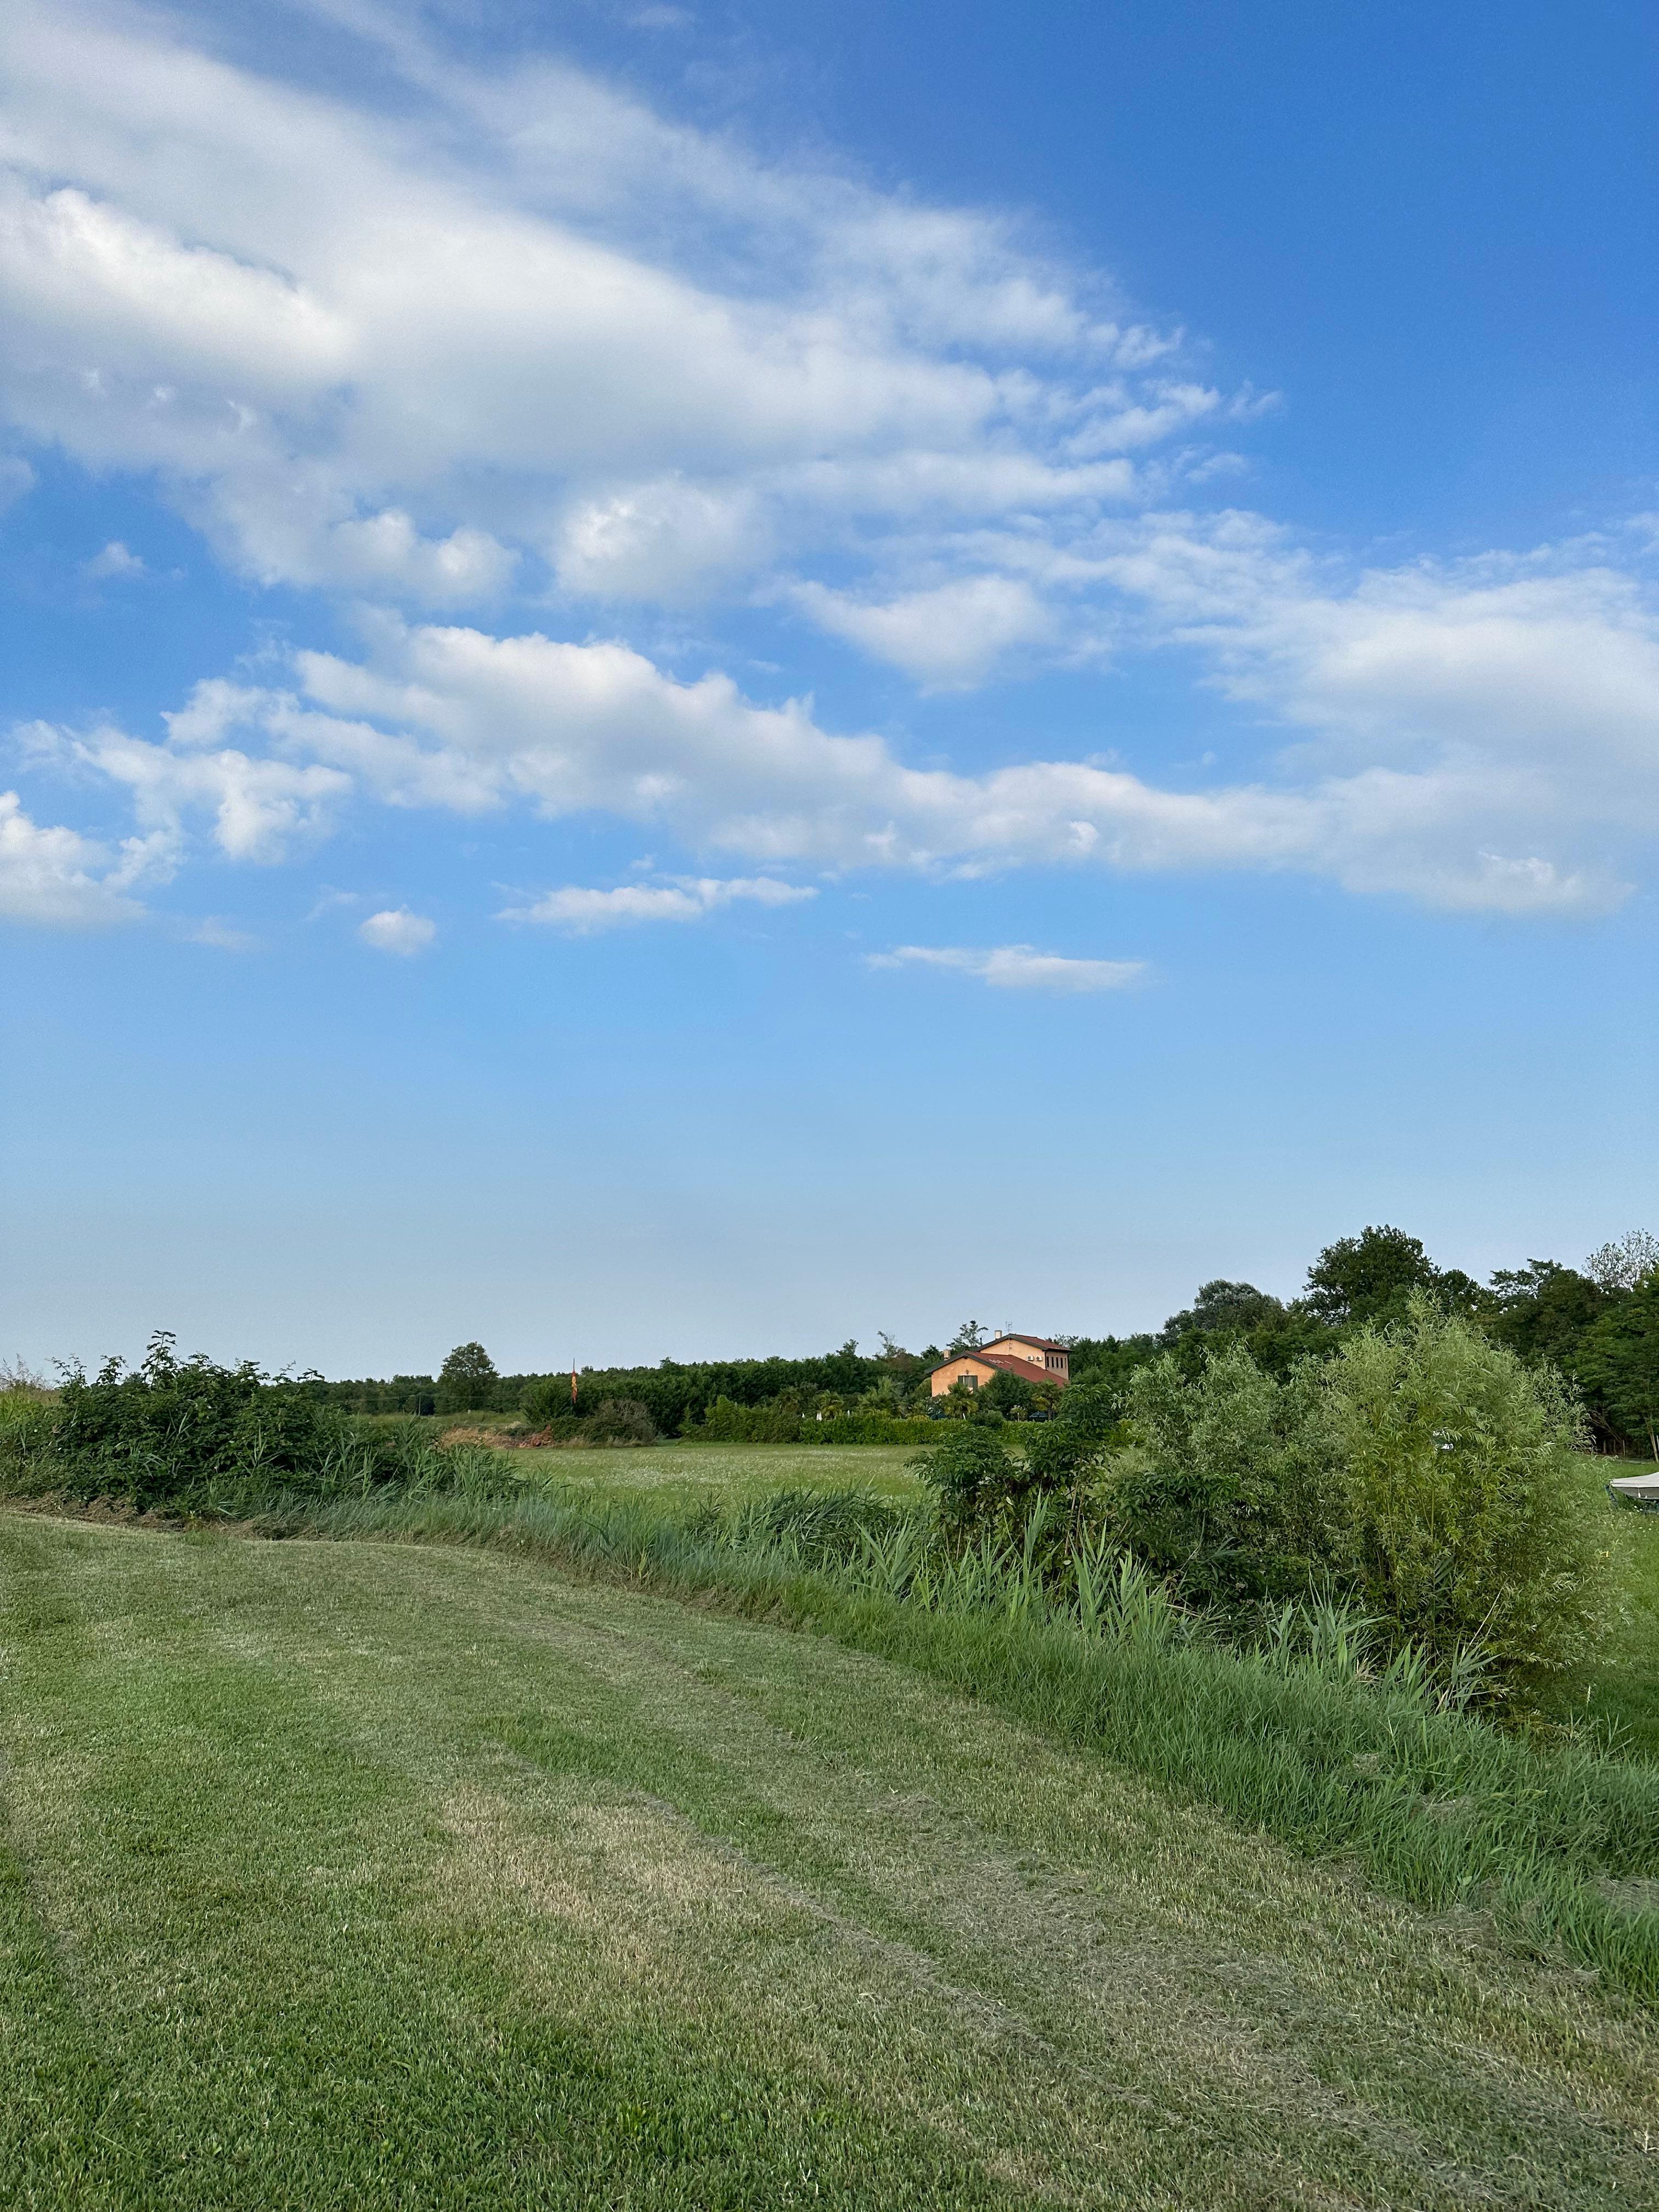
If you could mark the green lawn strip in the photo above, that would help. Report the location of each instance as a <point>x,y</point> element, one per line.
<point>1562,1842</point>
<point>299,2001</point>
<point>420,1877</point>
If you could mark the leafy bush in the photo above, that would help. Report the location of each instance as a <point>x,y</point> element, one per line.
<point>173,1430</point>
<point>621,1421</point>
<point>1457,1463</point>
<point>1234,1489</point>
<point>1423,1469</point>
<point>1617,1364</point>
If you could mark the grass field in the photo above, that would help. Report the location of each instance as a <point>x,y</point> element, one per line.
<point>725,1474</point>
<point>363,1874</point>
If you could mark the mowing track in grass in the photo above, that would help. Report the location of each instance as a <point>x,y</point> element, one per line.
<point>357,1874</point>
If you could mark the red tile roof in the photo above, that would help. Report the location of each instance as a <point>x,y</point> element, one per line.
<point>1042,1343</point>
<point>1027,1369</point>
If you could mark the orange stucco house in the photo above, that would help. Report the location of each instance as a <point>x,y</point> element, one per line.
<point>1033,1359</point>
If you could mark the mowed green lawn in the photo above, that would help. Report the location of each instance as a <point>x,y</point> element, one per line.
<point>357,1874</point>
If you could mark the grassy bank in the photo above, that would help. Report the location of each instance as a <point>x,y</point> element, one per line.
<point>354,1873</point>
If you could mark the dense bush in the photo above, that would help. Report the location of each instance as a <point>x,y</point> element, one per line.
<point>1457,1464</point>
<point>173,1431</point>
<point>190,1436</point>
<point>620,1421</point>
<point>1232,1489</point>
<point>1423,1473</point>
<point>783,1423</point>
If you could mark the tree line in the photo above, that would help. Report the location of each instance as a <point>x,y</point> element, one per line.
<point>1596,1325</point>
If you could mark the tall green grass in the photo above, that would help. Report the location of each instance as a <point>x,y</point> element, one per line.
<point>1556,1840</point>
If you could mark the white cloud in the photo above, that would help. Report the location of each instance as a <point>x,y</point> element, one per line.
<point>260,808</point>
<point>502,324</point>
<point>531,317</point>
<point>55,877</point>
<point>223,936</point>
<point>114,563</point>
<point>1017,967</point>
<point>682,898</point>
<point>395,929</point>
<point>947,638</point>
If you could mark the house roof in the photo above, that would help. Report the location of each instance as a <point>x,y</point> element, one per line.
<point>1027,1369</point>
<point>1042,1343</point>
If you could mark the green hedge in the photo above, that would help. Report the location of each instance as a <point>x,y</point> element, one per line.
<point>728,1424</point>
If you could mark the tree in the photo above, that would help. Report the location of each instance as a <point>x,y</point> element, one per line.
<point>967,1338</point>
<point>1544,1311</point>
<point>1369,1278</point>
<point>466,1378</point>
<point>1223,1305</point>
<point>1622,1264</point>
<point>1617,1365</point>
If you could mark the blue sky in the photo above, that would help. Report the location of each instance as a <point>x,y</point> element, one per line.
<point>687,680</point>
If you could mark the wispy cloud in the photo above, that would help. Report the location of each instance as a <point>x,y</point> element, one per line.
<point>222,935</point>
<point>582,912</point>
<point>1017,967</point>
<point>116,563</point>
<point>395,929</point>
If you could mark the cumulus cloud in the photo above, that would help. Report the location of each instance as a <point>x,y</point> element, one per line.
<point>56,877</point>
<point>947,638</point>
<point>682,898</point>
<point>1017,967</point>
<point>456,718</point>
<point>395,929</point>
<point>533,320</point>
<point>518,331</point>
<point>259,808</point>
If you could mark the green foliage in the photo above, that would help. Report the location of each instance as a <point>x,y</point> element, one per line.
<point>621,1421</point>
<point>1617,1363</point>
<point>971,1472</point>
<point>1233,1489</point>
<point>1459,1464</point>
<point>174,1431</point>
<point>1222,1307</point>
<point>1542,1310</point>
<point>466,1381</point>
<point>1367,1278</point>
<point>1424,1468</point>
<point>785,1422</point>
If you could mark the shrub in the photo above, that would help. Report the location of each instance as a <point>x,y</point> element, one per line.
<point>1458,1466</point>
<point>971,1474</point>
<point>1617,1363</point>
<point>621,1421</point>
<point>1233,1489</point>
<point>172,1431</point>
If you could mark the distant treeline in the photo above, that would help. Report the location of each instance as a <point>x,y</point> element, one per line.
<point>1598,1324</point>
